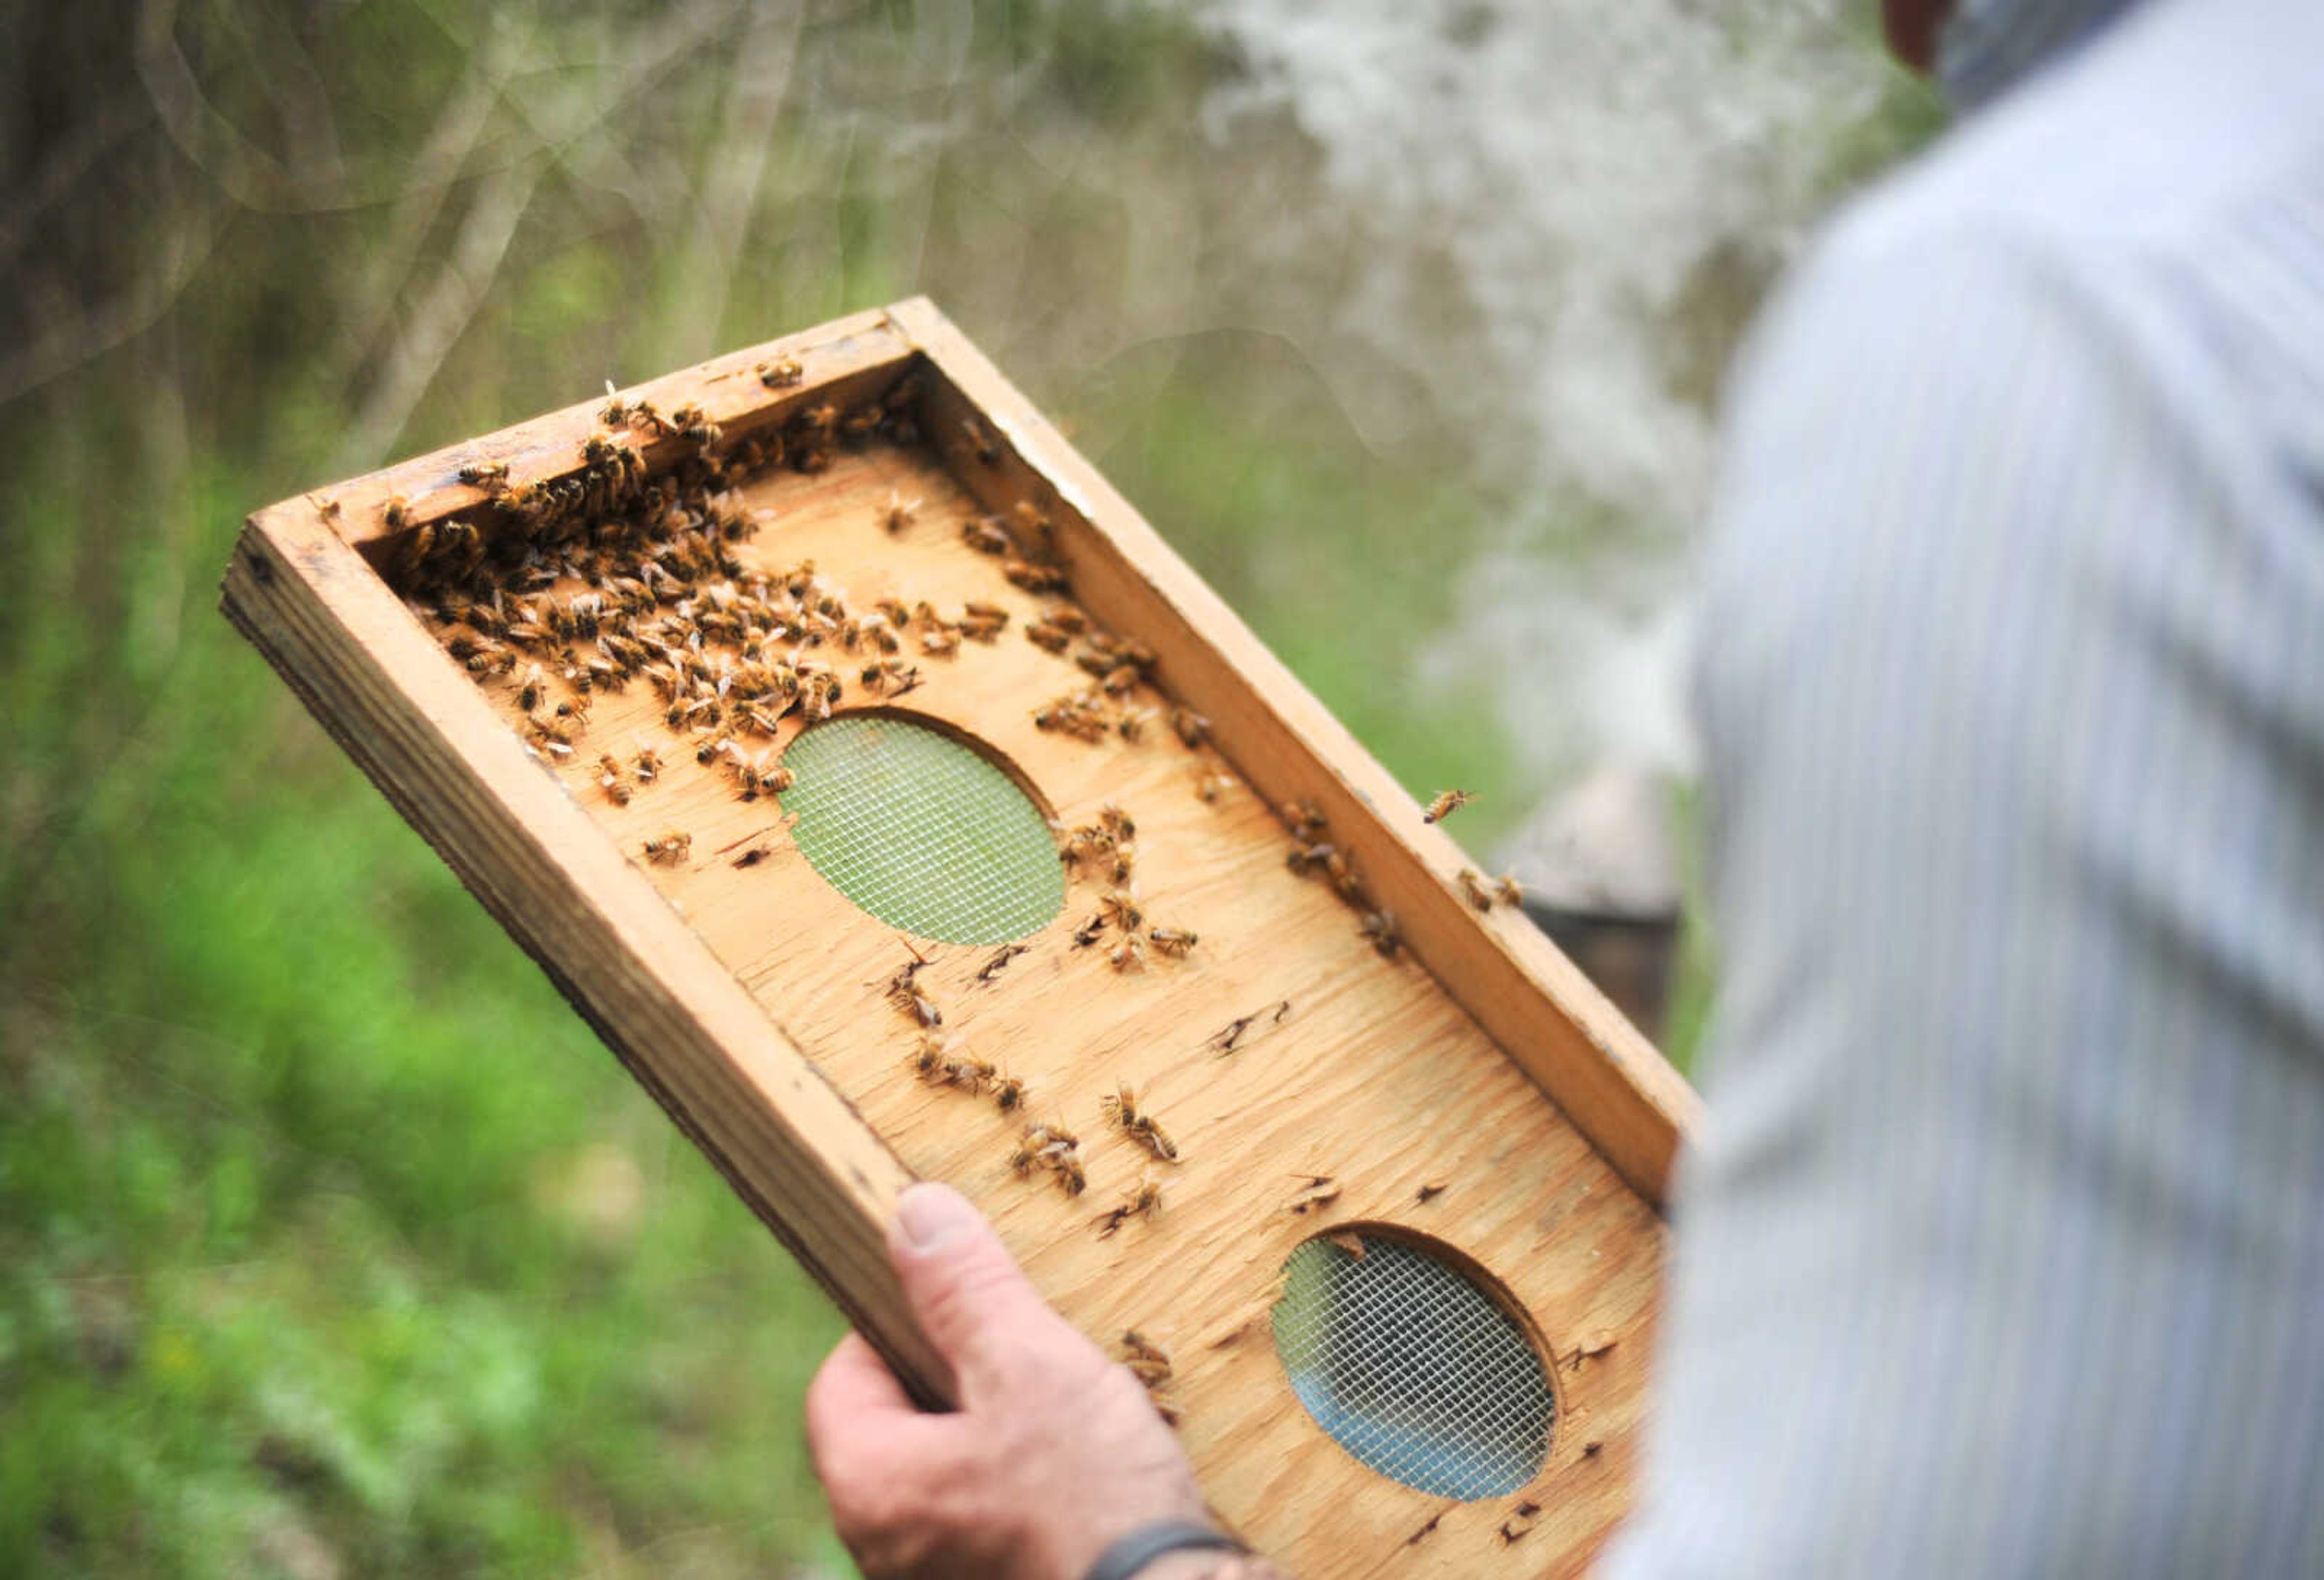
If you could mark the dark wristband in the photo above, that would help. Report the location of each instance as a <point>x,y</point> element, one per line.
<point>1141,1547</point>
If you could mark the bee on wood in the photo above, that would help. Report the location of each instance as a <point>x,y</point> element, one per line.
<point>910,1002</point>
<point>983,621</point>
<point>1055,1148</point>
<point>780,374</point>
<point>610,780</point>
<point>1509,890</point>
<point>942,642</point>
<point>1121,909</point>
<point>1120,1105</point>
<point>899,514</point>
<point>1145,1202</point>
<point>1474,887</point>
<point>692,424</point>
<point>986,535</point>
<point>1033,578</point>
<point>1132,723</point>
<point>527,691</point>
<point>1379,930</point>
<point>490,475</point>
<point>575,708</point>
<point>1116,822</point>
<point>1089,932</point>
<point>980,442</point>
<point>1304,819</point>
<point>395,516</point>
<point>1191,727</point>
<point>1305,859</point>
<point>1128,955</point>
<point>1209,788</point>
<point>1445,804</point>
<point>1047,636</point>
<point>1009,1093</point>
<point>615,412</point>
<point>671,848</point>
<point>1148,1361</point>
<point>1174,942</point>
<point>998,962</point>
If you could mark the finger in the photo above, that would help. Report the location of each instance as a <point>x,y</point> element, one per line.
<point>855,1384</point>
<point>967,1292</point>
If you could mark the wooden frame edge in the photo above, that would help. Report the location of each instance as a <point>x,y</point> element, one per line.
<point>681,1022</point>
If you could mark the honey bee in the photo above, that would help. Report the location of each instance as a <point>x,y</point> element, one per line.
<point>575,708</point>
<point>780,374</point>
<point>1509,891</point>
<point>396,515</point>
<point>1303,858</point>
<point>610,780</point>
<point>986,535</point>
<point>1209,788</point>
<point>1089,932</point>
<point>1445,804</point>
<point>943,642</point>
<point>899,514</point>
<point>1145,1202</point>
<point>1121,909</point>
<point>1070,1176</point>
<point>1379,930</point>
<point>1047,637</point>
<point>1132,723</point>
<point>1000,961</point>
<point>1116,822</point>
<point>615,412</point>
<point>527,692</point>
<point>1008,1094</point>
<point>1474,887</point>
<point>1174,942</point>
<point>983,621</point>
<point>1033,578</point>
<point>1128,955</point>
<point>491,475</point>
<point>1148,1361</point>
<point>1124,857</point>
<point>1192,727</point>
<point>671,848</point>
<point>1120,1105</point>
<point>980,442</point>
<point>910,1002</point>
<point>1304,819</point>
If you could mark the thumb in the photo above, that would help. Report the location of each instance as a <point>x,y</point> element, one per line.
<point>967,1292</point>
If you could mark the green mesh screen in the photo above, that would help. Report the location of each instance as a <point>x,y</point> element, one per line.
<point>1413,1369</point>
<point>921,831</point>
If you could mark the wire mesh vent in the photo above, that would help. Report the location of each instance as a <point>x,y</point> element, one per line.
<point>1412,1368</point>
<point>921,831</point>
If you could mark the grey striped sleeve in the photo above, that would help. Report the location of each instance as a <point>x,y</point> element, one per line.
<point>2005,1252</point>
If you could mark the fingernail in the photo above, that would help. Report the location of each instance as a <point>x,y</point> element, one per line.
<point>930,1213</point>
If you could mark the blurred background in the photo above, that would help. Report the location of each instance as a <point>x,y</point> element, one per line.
<point>331,1243</point>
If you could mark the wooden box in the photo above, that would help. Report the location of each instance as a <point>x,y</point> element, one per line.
<point>1460,1090</point>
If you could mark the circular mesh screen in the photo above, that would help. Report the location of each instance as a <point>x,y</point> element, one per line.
<point>921,831</point>
<point>1413,1368</point>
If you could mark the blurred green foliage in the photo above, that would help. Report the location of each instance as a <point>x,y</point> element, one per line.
<point>331,1242</point>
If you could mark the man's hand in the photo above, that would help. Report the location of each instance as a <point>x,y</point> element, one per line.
<point>1054,1452</point>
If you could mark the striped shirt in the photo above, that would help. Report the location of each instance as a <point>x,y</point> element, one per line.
<point>2003,1253</point>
